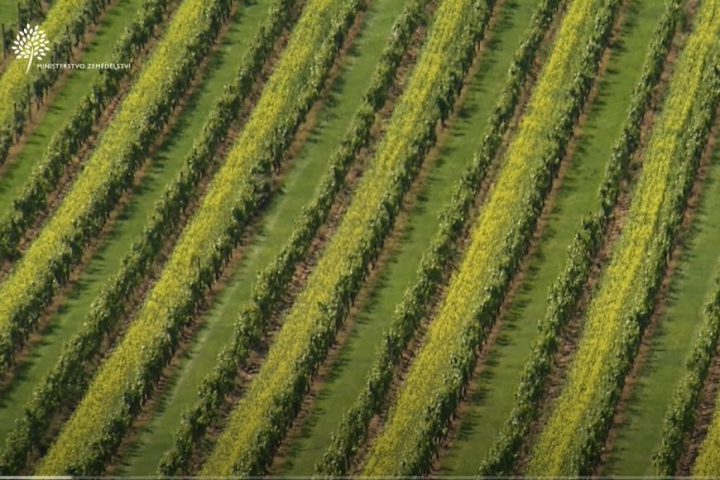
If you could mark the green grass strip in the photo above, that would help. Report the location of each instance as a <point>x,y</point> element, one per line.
<point>124,380</point>
<point>16,77</point>
<point>298,189</point>
<point>427,391</point>
<point>414,307</point>
<point>46,263</point>
<point>707,462</point>
<point>271,282</point>
<point>349,373</point>
<point>621,302</point>
<point>71,375</point>
<point>492,402</point>
<point>260,416</point>
<point>69,138</point>
<point>9,14</point>
<point>641,432</point>
<point>189,29</point>
<point>19,12</point>
<point>129,226</point>
<point>66,101</point>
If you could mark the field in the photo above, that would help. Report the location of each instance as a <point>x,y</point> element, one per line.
<point>360,238</point>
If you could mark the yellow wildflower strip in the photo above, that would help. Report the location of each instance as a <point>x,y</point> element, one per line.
<point>48,260</point>
<point>559,449</point>
<point>14,80</point>
<point>405,429</point>
<point>146,341</point>
<point>268,405</point>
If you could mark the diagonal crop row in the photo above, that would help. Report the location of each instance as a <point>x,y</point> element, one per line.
<point>259,421</point>
<point>708,460</point>
<point>680,416</point>
<point>68,141</point>
<point>354,425</point>
<point>126,379</point>
<point>681,413</point>
<point>574,434</point>
<point>64,25</point>
<point>443,366</point>
<point>253,320</point>
<point>47,263</point>
<point>69,379</point>
<point>566,291</point>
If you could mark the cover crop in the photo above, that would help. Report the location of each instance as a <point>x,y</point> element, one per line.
<point>621,298</point>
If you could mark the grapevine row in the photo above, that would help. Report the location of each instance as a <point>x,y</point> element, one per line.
<point>47,263</point>
<point>354,425</point>
<point>68,140</point>
<point>680,416</point>
<point>567,289</point>
<point>272,282</point>
<point>126,379</point>
<point>444,363</point>
<point>64,26</point>
<point>67,382</point>
<point>574,435</point>
<point>708,461</point>
<point>258,423</point>
<point>443,366</point>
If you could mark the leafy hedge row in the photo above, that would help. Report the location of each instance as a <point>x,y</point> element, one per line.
<point>680,416</point>
<point>353,427</point>
<point>435,383</point>
<point>64,26</point>
<point>566,291</point>
<point>271,283</point>
<point>64,386</point>
<point>574,435</point>
<point>708,459</point>
<point>67,141</point>
<point>48,261</point>
<point>259,421</point>
<point>127,377</point>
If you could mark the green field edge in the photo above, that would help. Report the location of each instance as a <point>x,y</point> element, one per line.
<point>348,374</point>
<point>162,169</point>
<point>299,186</point>
<point>8,15</point>
<point>66,100</point>
<point>672,340</point>
<point>491,402</point>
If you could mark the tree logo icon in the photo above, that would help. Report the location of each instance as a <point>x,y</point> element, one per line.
<point>31,44</point>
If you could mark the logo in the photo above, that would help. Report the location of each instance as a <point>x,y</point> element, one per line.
<point>31,44</point>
